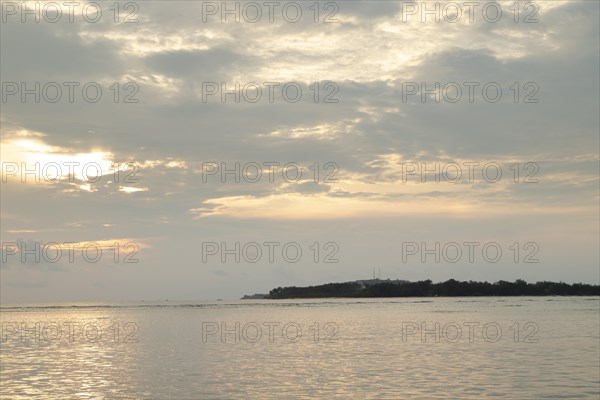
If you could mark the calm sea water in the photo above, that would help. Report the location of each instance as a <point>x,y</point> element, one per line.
<point>410,348</point>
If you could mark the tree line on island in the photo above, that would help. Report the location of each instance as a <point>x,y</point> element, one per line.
<point>451,287</point>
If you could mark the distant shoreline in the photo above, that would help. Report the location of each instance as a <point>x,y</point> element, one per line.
<point>378,288</point>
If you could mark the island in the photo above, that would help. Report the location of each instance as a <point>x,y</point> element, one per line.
<point>426,288</point>
<point>257,296</point>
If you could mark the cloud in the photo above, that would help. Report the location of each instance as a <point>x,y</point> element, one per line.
<point>369,55</point>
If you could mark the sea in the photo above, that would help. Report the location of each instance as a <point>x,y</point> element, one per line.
<point>386,348</point>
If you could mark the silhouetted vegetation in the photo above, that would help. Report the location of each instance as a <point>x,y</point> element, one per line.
<point>427,289</point>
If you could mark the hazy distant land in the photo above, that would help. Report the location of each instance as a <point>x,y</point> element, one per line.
<point>402,288</point>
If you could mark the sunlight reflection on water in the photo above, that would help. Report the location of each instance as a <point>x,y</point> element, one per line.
<point>346,349</point>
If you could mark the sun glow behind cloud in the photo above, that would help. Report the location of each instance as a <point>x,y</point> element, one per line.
<point>26,151</point>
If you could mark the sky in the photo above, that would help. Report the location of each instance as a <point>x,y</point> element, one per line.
<point>368,135</point>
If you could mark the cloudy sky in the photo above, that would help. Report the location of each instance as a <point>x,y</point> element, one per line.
<point>366,124</point>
